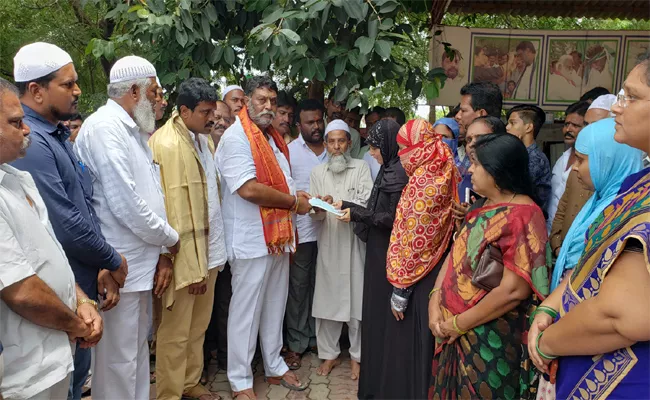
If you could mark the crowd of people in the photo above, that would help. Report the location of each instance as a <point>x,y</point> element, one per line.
<point>460,264</point>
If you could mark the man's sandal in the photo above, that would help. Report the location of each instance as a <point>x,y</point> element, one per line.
<point>293,360</point>
<point>280,380</point>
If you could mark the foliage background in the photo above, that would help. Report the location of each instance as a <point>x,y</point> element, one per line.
<point>96,32</point>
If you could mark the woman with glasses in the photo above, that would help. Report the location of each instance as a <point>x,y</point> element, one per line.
<point>598,320</point>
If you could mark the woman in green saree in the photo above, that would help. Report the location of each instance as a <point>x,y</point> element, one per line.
<point>481,350</point>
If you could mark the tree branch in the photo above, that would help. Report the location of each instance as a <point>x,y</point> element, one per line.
<point>79,12</point>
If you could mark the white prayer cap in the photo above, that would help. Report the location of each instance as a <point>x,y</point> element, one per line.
<point>229,89</point>
<point>337,125</point>
<point>130,68</point>
<point>604,102</point>
<point>38,59</point>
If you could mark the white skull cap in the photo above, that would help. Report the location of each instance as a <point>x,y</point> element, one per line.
<point>336,125</point>
<point>37,60</point>
<point>604,102</point>
<point>229,89</point>
<point>130,68</point>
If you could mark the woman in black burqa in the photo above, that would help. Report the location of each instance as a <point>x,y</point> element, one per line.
<point>373,224</point>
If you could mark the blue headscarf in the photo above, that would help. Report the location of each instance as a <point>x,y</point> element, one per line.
<point>455,129</point>
<point>610,163</point>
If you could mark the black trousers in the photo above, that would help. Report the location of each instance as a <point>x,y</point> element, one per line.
<point>216,337</point>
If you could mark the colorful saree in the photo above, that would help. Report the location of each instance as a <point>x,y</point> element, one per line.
<point>491,360</point>
<point>623,225</point>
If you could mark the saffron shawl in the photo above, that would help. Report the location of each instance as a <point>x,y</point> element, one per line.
<point>423,221</point>
<point>276,222</point>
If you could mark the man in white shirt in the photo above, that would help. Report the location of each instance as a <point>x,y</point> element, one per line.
<point>259,197</point>
<point>526,85</point>
<point>37,287</point>
<point>306,152</point>
<point>574,121</point>
<point>194,210</point>
<point>130,206</point>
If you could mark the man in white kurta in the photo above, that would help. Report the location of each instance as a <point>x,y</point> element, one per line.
<point>339,268</point>
<point>260,275</point>
<point>130,206</point>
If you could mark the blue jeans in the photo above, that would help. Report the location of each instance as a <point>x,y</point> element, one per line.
<point>82,359</point>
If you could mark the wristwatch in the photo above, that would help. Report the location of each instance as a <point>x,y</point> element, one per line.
<point>88,301</point>
<point>168,255</point>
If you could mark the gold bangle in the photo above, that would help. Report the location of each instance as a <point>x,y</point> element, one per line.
<point>433,291</point>
<point>168,255</point>
<point>88,301</point>
<point>456,328</point>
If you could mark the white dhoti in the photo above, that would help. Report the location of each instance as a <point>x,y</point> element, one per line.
<point>259,296</point>
<point>121,368</point>
<point>328,333</point>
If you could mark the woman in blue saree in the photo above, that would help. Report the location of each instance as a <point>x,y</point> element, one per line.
<point>598,319</point>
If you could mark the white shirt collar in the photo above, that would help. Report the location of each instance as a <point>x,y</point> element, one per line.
<point>6,169</point>
<point>122,114</point>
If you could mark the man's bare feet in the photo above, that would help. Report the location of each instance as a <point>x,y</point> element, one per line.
<point>327,366</point>
<point>356,369</point>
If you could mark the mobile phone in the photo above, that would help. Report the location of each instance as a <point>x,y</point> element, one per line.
<point>469,193</point>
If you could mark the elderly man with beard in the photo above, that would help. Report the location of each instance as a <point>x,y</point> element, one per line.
<point>336,110</point>
<point>339,267</point>
<point>259,200</point>
<point>131,211</point>
<point>47,82</point>
<point>306,152</point>
<point>194,211</point>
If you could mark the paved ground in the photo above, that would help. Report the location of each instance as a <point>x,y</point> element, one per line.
<point>336,386</point>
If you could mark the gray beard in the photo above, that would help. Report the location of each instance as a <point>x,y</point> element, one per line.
<point>339,163</point>
<point>144,115</point>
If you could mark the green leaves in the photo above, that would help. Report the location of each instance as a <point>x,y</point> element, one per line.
<point>383,47</point>
<point>291,35</point>
<point>373,27</point>
<point>229,55</point>
<point>181,37</point>
<point>205,26</point>
<point>309,69</point>
<point>365,44</point>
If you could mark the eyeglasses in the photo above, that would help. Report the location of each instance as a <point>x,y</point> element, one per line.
<point>622,100</point>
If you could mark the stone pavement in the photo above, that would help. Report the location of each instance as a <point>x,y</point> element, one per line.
<point>336,386</point>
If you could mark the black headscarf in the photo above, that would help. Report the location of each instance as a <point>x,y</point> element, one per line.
<point>392,177</point>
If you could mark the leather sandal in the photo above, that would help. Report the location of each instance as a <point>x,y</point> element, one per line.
<point>280,380</point>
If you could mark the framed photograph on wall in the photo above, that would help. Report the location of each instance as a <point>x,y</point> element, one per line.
<point>575,65</point>
<point>511,61</point>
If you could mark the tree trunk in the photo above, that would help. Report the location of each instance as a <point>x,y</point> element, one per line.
<point>316,90</point>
